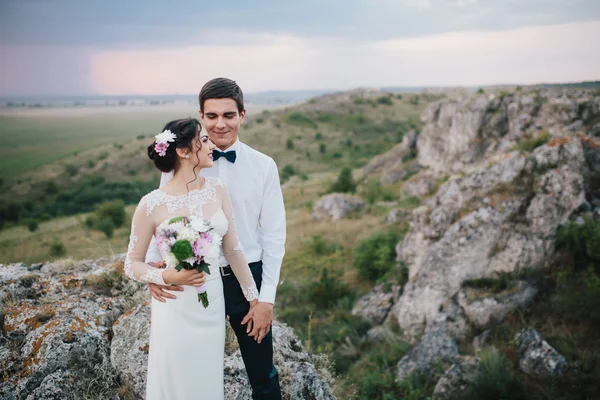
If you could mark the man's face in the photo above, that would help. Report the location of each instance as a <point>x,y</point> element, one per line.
<point>222,121</point>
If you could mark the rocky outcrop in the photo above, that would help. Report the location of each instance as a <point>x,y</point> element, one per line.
<point>375,305</point>
<point>483,309</point>
<point>395,164</point>
<point>436,347</point>
<point>298,375</point>
<point>497,218</point>
<point>336,206</point>
<point>457,378</point>
<point>465,130</point>
<point>70,329</point>
<point>538,358</point>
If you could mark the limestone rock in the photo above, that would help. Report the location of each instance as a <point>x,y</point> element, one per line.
<point>298,376</point>
<point>375,305</point>
<point>538,358</point>
<point>457,378</point>
<point>484,310</point>
<point>436,346</point>
<point>336,206</point>
<point>69,337</point>
<point>129,348</point>
<point>496,218</point>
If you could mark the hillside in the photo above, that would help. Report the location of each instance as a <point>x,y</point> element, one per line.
<point>461,263</point>
<point>320,136</point>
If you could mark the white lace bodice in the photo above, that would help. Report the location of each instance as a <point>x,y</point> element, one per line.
<point>212,203</point>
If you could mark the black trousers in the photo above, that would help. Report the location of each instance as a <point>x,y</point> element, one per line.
<point>258,358</point>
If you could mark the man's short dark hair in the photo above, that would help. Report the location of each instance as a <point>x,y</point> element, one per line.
<point>221,88</point>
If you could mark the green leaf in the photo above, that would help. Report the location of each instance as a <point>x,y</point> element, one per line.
<point>179,267</point>
<point>203,297</point>
<point>203,267</point>
<point>175,220</point>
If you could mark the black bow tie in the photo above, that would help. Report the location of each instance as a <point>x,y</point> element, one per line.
<point>229,155</point>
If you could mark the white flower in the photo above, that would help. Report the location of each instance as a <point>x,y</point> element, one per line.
<point>166,136</point>
<point>171,260</point>
<point>199,225</point>
<point>188,234</point>
<point>190,260</point>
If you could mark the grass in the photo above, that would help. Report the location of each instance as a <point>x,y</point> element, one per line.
<point>29,142</point>
<point>527,145</point>
<point>18,244</point>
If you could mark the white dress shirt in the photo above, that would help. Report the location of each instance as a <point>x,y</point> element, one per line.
<point>258,209</point>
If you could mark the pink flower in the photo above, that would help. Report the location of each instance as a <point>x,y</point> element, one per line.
<point>201,246</point>
<point>161,148</point>
<point>206,236</point>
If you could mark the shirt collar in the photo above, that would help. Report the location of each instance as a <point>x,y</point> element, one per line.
<point>235,146</point>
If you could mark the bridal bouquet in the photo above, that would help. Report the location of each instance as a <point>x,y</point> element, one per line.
<point>189,243</point>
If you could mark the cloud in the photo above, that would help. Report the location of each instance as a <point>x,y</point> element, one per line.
<point>133,23</point>
<point>524,55</point>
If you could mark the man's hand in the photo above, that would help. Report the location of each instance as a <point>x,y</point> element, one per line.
<point>158,291</point>
<point>260,317</point>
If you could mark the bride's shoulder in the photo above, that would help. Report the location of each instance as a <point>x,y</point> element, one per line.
<point>216,182</point>
<point>150,200</point>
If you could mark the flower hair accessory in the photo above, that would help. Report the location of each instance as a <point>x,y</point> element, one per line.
<point>162,142</point>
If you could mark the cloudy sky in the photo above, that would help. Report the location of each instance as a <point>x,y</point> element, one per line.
<point>58,47</point>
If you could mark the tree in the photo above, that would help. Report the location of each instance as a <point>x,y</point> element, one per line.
<point>344,183</point>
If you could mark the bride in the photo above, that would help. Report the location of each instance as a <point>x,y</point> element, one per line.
<point>186,340</point>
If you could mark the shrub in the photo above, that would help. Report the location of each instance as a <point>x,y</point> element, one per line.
<point>287,172</point>
<point>91,164</point>
<point>322,148</point>
<point>580,242</point>
<point>495,380</point>
<point>344,183</point>
<point>373,191</point>
<point>300,119</point>
<point>321,246</point>
<point>32,224</point>
<point>105,225</point>
<point>290,144</point>
<point>318,136</point>
<point>386,100</point>
<point>358,100</point>
<point>71,169</point>
<point>329,290</point>
<point>375,256</point>
<point>113,210</point>
<point>411,155</point>
<point>529,144</point>
<point>57,249</point>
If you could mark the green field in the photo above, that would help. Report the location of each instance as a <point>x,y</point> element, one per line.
<point>31,141</point>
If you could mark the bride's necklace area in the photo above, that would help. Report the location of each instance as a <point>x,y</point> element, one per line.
<point>183,189</point>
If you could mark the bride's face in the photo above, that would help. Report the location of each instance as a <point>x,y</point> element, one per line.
<point>202,149</point>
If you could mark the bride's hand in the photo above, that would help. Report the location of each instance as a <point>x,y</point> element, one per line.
<point>189,277</point>
<point>253,303</point>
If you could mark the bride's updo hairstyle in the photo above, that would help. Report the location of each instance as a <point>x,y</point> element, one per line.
<point>166,160</point>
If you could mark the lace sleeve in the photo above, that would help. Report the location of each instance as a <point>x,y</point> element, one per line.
<point>232,250</point>
<point>142,229</point>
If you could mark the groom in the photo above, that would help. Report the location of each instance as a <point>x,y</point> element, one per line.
<point>253,182</point>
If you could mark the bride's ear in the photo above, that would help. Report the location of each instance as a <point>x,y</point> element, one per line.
<point>181,153</point>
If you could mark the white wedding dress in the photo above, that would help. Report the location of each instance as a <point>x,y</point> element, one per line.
<point>187,340</point>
